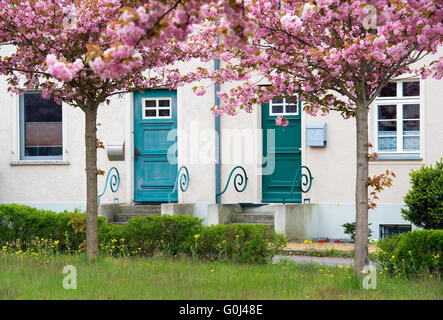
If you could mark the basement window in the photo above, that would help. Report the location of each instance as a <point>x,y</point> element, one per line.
<point>391,229</point>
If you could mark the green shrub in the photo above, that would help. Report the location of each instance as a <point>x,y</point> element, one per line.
<point>169,235</point>
<point>241,243</point>
<point>23,223</point>
<point>424,201</point>
<point>349,228</point>
<point>412,252</point>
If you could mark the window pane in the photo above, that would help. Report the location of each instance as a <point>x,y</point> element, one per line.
<point>43,151</point>
<point>390,90</point>
<point>411,89</point>
<point>411,127</point>
<point>150,103</point>
<point>277,100</point>
<point>277,109</point>
<point>387,128</point>
<point>291,108</point>
<point>387,144</point>
<point>387,112</point>
<point>291,100</point>
<point>42,126</point>
<point>38,109</point>
<point>411,111</point>
<point>150,113</point>
<point>163,113</point>
<point>411,143</point>
<point>163,103</point>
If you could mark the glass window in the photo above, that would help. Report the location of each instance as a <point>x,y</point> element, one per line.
<point>284,106</point>
<point>390,90</point>
<point>398,118</point>
<point>157,108</point>
<point>411,89</point>
<point>41,128</point>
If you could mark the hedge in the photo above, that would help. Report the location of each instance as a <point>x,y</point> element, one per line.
<point>142,235</point>
<point>412,252</point>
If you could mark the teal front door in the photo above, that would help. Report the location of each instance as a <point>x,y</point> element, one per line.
<point>286,151</point>
<point>155,168</point>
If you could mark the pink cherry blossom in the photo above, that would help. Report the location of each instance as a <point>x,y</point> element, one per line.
<point>281,121</point>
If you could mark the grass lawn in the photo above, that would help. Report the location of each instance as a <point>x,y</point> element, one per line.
<point>163,278</point>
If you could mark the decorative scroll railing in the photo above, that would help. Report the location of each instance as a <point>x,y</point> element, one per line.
<point>182,179</point>
<point>114,182</point>
<point>240,180</point>
<point>302,180</point>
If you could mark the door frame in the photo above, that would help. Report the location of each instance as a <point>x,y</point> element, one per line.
<point>133,169</point>
<point>302,150</point>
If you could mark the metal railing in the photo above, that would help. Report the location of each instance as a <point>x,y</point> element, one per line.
<point>302,180</point>
<point>182,179</point>
<point>114,183</point>
<point>240,180</point>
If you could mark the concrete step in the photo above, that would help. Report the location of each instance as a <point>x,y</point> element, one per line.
<point>255,218</point>
<point>141,210</point>
<point>266,209</point>
<point>128,211</point>
<point>271,225</point>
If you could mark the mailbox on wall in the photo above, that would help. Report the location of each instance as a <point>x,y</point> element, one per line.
<point>316,135</point>
<point>116,151</point>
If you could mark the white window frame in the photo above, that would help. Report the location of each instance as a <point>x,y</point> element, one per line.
<point>157,108</point>
<point>16,159</point>
<point>399,101</point>
<point>283,104</point>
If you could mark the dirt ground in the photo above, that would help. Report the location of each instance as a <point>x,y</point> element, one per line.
<point>324,246</point>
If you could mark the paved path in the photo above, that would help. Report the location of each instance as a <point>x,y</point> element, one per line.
<point>327,261</point>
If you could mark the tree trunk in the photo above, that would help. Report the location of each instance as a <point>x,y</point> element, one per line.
<point>91,183</point>
<point>361,257</point>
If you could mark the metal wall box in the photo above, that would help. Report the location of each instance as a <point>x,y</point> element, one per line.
<point>116,151</point>
<point>316,135</point>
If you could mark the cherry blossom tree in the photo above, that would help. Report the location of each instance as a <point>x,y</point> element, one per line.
<point>337,55</point>
<point>83,52</point>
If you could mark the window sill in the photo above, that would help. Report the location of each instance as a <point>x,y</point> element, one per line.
<point>400,156</point>
<point>38,162</point>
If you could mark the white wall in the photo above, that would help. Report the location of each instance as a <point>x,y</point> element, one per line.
<point>333,167</point>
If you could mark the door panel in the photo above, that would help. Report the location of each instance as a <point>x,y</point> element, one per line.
<point>155,115</point>
<point>287,156</point>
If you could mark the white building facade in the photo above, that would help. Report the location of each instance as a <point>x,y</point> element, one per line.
<point>42,155</point>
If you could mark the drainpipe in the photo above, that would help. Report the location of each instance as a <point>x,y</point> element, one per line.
<point>217,137</point>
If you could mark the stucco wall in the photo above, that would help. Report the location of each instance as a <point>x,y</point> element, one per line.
<point>333,167</point>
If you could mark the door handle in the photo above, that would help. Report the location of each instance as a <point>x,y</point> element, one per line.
<point>137,153</point>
